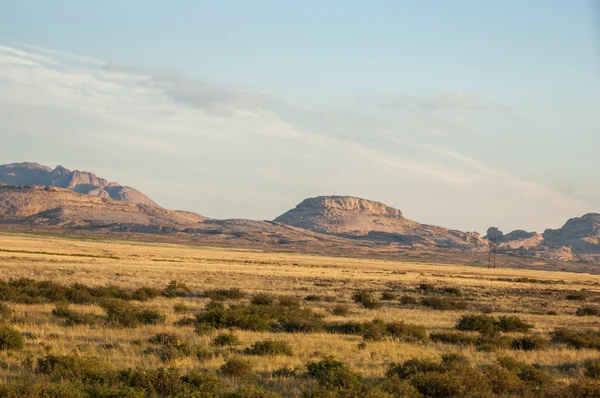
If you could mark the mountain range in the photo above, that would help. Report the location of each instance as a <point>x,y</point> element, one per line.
<point>36,197</point>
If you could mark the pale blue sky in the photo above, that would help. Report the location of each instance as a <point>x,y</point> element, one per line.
<point>460,113</point>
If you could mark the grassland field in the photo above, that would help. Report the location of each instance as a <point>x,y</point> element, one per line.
<point>324,285</point>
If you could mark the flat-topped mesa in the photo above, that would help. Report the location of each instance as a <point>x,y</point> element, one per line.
<point>350,204</point>
<point>348,216</point>
<point>79,181</point>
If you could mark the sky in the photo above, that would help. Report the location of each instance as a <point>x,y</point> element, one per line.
<point>466,114</point>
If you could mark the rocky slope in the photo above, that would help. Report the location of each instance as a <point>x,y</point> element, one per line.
<point>77,181</point>
<point>353,217</point>
<point>62,207</point>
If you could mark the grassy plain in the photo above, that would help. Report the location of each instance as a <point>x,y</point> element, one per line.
<point>537,297</point>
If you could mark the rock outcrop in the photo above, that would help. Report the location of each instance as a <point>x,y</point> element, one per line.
<point>358,218</point>
<point>77,181</point>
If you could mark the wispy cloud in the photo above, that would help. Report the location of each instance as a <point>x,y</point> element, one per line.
<point>168,129</point>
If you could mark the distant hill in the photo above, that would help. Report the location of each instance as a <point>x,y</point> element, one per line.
<point>34,197</point>
<point>77,181</point>
<point>358,218</point>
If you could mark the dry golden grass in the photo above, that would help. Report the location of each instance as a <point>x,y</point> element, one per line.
<point>134,264</point>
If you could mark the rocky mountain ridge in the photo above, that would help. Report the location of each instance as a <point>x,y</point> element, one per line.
<point>35,197</point>
<point>78,181</point>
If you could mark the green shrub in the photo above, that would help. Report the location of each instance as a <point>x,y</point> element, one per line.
<point>224,294</point>
<point>409,300</point>
<point>577,338</point>
<point>289,301</point>
<point>481,323</point>
<point>443,303</point>
<point>583,388</point>
<point>313,297</point>
<point>270,347</point>
<point>261,318</point>
<point>427,287</point>
<point>226,339</point>
<point>406,332</point>
<point>578,296</point>
<point>202,329</point>
<point>284,373</point>
<point>333,375</point>
<point>237,368</point>
<point>340,310</point>
<point>165,339</point>
<point>513,324</point>
<point>454,291</point>
<point>29,291</point>
<point>5,311</point>
<point>181,308</point>
<point>251,391</point>
<point>530,343</point>
<point>588,310</point>
<point>74,318</point>
<point>456,338</point>
<point>388,296</point>
<point>11,339</point>
<point>123,314</point>
<point>412,367</point>
<point>592,368</point>
<point>176,289</point>
<point>159,382</point>
<point>262,299</point>
<point>489,343</point>
<point>366,299</point>
<point>69,367</point>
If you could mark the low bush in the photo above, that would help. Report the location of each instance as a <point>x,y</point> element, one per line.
<point>388,296</point>
<point>510,324</point>
<point>5,311</point>
<point>456,338</point>
<point>69,367</point>
<point>577,338</point>
<point>313,297</point>
<point>588,310</point>
<point>237,368</point>
<point>454,291</point>
<point>530,343</point>
<point>289,301</point>
<point>254,317</point>
<point>380,330</point>
<point>409,300</point>
<point>427,287</point>
<point>262,299</point>
<point>340,310</point>
<point>224,294</point>
<point>123,314</point>
<point>251,391</point>
<point>176,289</point>
<point>30,291</point>
<point>443,303</point>
<point>484,324</point>
<point>333,375</point>
<point>181,308</point>
<point>592,368</point>
<point>74,318</point>
<point>494,342</point>
<point>489,325</point>
<point>577,296</point>
<point>226,339</point>
<point>11,339</point>
<point>366,299</point>
<point>270,348</point>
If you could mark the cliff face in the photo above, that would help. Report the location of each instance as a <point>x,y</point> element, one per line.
<point>77,181</point>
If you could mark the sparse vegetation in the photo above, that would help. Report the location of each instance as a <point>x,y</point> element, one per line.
<point>366,299</point>
<point>100,340</point>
